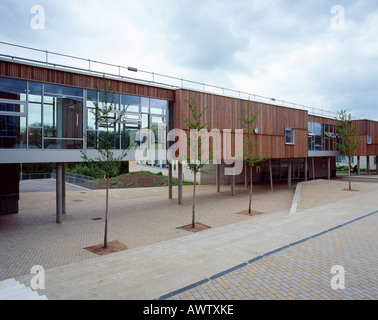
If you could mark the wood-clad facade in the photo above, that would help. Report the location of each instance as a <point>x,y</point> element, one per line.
<point>225,113</point>
<point>368,132</point>
<point>331,121</point>
<point>300,155</point>
<point>84,81</point>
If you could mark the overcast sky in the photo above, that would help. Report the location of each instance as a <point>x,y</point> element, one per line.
<point>320,53</point>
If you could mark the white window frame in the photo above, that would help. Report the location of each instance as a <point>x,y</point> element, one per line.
<point>293,134</point>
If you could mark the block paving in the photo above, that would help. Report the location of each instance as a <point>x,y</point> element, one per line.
<point>137,218</point>
<point>141,217</point>
<point>304,270</point>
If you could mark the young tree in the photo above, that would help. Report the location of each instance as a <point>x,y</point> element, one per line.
<point>195,158</point>
<point>349,140</point>
<point>248,119</point>
<point>106,118</point>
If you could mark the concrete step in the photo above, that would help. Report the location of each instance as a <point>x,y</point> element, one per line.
<point>11,289</point>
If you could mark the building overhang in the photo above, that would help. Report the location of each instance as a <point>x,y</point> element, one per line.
<point>51,156</point>
<point>314,154</point>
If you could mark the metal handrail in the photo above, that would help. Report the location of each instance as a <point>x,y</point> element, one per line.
<point>205,87</point>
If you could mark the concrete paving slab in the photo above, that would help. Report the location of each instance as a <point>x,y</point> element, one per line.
<point>45,185</point>
<point>152,271</point>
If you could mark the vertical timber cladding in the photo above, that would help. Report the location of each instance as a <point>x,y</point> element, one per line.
<point>79,80</point>
<point>365,128</point>
<point>225,112</point>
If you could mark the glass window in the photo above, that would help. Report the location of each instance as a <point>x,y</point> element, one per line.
<point>145,104</point>
<point>13,89</point>
<point>315,136</point>
<point>156,120</point>
<point>35,92</point>
<point>35,115</point>
<point>110,98</point>
<point>309,127</point>
<point>145,122</point>
<point>128,137</point>
<point>317,128</point>
<point>11,107</point>
<point>63,90</point>
<point>35,138</point>
<point>318,143</point>
<point>91,120</point>
<point>131,118</point>
<point>113,136</point>
<point>91,139</point>
<point>91,98</point>
<point>12,132</point>
<point>63,117</point>
<point>91,110</point>
<point>160,136</point>
<point>116,101</point>
<point>49,118</point>
<point>131,102</point>
<point>63,144</point>
<point>368,139</point>
<point>289,136</point>
<point>311,143</point>
<point>158,106</point>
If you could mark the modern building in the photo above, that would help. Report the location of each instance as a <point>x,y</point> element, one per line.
<point>46,114</point>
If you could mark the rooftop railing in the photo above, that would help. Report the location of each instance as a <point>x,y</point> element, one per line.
<point>76,64</point>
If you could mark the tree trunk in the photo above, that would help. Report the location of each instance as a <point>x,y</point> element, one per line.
<point>194,202</point>
<point>107,189</point>
<point>350,182</point>
<point>250,191</point>
<point>106,211</point>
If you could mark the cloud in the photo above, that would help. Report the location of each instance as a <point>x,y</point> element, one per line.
<point>284,49</point>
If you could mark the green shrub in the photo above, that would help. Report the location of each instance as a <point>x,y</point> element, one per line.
<point>113,182</point>
<point>89,171</point>
<point>342,168</point>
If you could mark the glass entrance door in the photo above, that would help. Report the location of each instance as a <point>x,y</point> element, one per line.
<point>297,171</point>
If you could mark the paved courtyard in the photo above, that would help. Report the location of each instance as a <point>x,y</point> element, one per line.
<point>137,217</point>
<point>170,263</point>
<point>303,271</point>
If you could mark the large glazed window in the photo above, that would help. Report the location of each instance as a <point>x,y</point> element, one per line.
<point>13,128</point>
<point>92,123</point>
<point>315,136</point>
<point>63,90</point>
<point>62,117</point>
<point>132,103</point>
<point>322,137</point>
<point>13,89</point>
<point>12,132</point>
<point>158,107</point>
<point>36,115</point>
<point>63,120</point>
